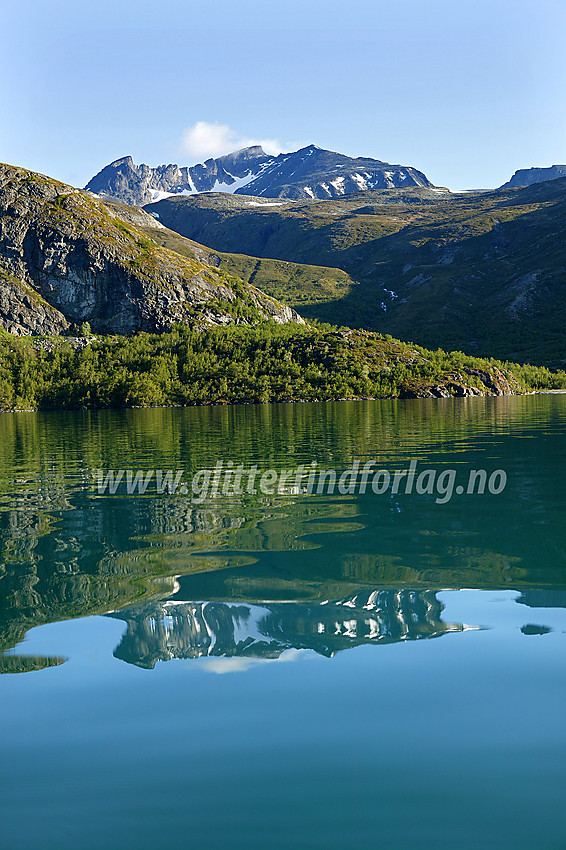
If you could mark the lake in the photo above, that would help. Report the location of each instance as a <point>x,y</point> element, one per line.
<point>284,668</point>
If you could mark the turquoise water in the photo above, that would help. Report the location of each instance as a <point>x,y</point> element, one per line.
<point>285,670</point>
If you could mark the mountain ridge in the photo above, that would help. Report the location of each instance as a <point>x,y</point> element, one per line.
<point>484,273</point>
<point>310,172</point>
<point>529,176</point>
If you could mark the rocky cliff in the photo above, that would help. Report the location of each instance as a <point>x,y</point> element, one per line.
<point>529,176</point>
<point>66,258</point>
<point>125,181</point>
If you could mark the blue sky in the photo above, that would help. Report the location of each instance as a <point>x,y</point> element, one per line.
<point>465,91</point>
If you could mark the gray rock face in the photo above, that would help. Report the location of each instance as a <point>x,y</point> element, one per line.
<point>307,173</point>
<point>494,383</point>
<point>528,176</point>
<point>65,258</point>
<point>23,311</point>
<point>140,184</point>
<point>315,173</point>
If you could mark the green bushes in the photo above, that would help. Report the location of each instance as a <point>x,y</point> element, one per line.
<point>228,364</point>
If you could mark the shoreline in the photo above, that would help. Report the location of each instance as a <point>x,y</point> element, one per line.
<point>277,401</point>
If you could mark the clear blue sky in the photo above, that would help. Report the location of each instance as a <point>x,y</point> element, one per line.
<point>467,91</point>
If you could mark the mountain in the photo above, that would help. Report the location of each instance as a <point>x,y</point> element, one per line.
<point>66,258</point>
<point>178,629</point>
<point>307,173</point>
<point>528,176</point>
<point>302,283</point>
<point>140,184</point>
<point>484,273</point>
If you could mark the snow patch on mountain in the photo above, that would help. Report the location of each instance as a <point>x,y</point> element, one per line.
<point>360,181</point>
<point>307,173</point>
<point>338,184</point>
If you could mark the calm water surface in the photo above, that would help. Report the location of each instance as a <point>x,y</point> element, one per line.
<point>291,670</point>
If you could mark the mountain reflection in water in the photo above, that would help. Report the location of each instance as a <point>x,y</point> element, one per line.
<point>263,569</point>
<point>171,629</point>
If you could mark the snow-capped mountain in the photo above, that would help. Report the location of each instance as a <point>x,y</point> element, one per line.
<point>307,173</point>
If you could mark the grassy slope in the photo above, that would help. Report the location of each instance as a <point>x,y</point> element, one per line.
<point>483,272</point>
<point>299,284</point>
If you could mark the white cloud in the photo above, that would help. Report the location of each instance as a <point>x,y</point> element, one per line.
<point>205,139</point>
<point>241,664</point>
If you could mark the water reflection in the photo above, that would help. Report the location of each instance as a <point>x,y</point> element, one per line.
<point>67,552</point>
<point>177,629</point>
<point>12,663</point>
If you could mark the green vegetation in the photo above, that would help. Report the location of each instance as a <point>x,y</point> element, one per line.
<point>59,202</point>
<point>241,364</point>
<point>481,272</point>
<point>299,285</point>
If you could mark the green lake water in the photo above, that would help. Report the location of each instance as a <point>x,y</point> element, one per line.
<point>288,670</point>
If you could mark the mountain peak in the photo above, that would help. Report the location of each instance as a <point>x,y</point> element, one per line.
<point>310,172</point>
<point>251,152</point>
<point>125,160</point>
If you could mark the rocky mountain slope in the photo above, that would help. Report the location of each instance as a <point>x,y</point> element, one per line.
<point>307,173</point>
<point>484,273</point>
<point>528,176</point>
<point>302,283</point>
<point>66,258</point>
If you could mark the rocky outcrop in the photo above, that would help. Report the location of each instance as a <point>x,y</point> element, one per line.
<point>24,311</point>
<point>528,176</point>
<point>66,258</point>
<point>468,383</point>
<point>140,184</point>
<point>310,172</point>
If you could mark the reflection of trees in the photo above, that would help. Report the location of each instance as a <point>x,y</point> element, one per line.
<point>543,598</point>
<point>93,558</point>
<point>35,445</point>
<point>65,552</point>
<point>28,663</point>
<point>160,631</point>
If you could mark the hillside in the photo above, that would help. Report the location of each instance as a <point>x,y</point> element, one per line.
<point>244,364</point>
<point>310,172</point>
<point>485,273</point>
<point>302,284</point>
<point>67,259</point>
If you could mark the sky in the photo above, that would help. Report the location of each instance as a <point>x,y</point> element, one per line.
<point>465,91</point>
